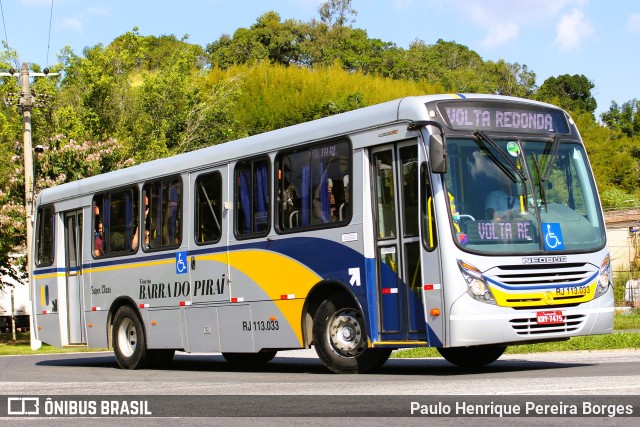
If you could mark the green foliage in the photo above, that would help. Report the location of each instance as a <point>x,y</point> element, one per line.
<point>615,198</point>
<point>275,96</point>
<point>620,279</point>
<point>624,118</point>
<point>336,12</point>
<point>66,160</point>
<point>572,93</point>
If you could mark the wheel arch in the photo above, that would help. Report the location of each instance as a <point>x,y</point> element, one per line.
<point>315,298</point>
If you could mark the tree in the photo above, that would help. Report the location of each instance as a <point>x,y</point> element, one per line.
<point>503,78</point>
<point>336,13</point>
<point>572,93</point>
<point>624,118</point>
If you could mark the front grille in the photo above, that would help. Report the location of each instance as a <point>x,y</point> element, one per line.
<point>529,326</point>
<point>544,275</point>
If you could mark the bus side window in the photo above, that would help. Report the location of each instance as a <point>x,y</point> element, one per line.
<point>115,222</point>
<point>163,223</point>
<point>45,237</point>
<point>314,186</point>
<point>98,226</point>
<point>252,198</point>
<point>208,210</point>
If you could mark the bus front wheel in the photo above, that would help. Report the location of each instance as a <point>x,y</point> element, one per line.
<point>340,340</point>
<point>472,357</point>
<point>128,339</point>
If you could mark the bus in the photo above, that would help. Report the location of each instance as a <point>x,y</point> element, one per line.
<point>465,222</point>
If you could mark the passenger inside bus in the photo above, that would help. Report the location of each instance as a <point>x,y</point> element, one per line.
<point>97,244</point>
<point>501,203</point>
<point>97,229</point>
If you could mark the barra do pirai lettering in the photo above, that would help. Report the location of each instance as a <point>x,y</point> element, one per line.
<point>149,290</point>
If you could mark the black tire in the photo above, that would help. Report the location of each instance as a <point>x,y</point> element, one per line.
<point>129,343</point>
<point>160,358</point>
<point>249,358</point>
<point>472,357</point>
<point>340,339</point>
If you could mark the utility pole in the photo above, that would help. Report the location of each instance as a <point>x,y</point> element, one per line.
<point>25,103</point>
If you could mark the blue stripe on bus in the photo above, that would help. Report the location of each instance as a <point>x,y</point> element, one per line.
<point>536,287</point>
<point>296,248</point>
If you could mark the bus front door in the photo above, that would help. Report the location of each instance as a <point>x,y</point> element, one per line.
<point>73,267</point>
<point>396,172</point>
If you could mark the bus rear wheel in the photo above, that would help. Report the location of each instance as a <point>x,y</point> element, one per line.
<point>249,358</point>
<point>129,345</point>
<point>340,340</point>
<point>472,357</point>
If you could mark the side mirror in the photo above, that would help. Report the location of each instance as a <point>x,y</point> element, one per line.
<point>438,153</point>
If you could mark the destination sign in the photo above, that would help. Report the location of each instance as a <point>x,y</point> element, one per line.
<point>516,231</point>
<point>503,117</point>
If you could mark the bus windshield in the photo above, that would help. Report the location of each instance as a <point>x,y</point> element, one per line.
<point>522,196</point>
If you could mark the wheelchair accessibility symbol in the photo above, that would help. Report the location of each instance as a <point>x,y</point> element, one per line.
<point>552,236</point>
<point>181,263</point>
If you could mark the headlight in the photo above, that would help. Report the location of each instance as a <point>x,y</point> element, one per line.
<point>477,285</point>
<point>604,278</point>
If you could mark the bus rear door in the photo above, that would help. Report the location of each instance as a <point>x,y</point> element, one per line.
<point>74,282</point>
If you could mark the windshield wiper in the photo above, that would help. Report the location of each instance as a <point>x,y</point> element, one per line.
<point>482,137</point>
<point>552,158</point>
<point>543,196</point>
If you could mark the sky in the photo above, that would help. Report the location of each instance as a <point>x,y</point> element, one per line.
<point>597,38</point>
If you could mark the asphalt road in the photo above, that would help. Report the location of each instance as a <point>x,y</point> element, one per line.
<point>286,383</point>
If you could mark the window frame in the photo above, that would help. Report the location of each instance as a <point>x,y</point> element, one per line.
<point>134,192</point>
<point>196,210</point>
<point>180,213</point>
<point>237,200</point>
<point>40,226</point>
<point>279,180</point>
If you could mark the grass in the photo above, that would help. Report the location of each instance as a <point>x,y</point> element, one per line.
<point>627,320</point>
<point>22,345</point>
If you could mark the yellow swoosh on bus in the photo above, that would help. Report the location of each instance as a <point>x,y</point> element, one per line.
<point>276,275</point>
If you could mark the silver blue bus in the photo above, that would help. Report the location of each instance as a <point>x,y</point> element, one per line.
<point>463,222</point>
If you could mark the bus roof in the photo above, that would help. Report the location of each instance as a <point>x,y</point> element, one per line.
<point>404,109</point>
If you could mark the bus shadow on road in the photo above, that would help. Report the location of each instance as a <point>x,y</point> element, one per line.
<point>407,367</point>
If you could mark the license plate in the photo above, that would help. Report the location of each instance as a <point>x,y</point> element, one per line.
<point>549,317</point>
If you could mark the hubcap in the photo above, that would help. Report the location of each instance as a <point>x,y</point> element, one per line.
<point>127,337</point>
<point>345,333</point>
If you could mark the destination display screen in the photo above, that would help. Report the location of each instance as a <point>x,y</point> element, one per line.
<point>516,231</point>
<point>503,117</point>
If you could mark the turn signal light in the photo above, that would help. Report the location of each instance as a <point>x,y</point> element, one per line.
<point>154,323</point>
<point>435,312</point>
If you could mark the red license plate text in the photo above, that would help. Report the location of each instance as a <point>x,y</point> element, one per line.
<point>549,317</point>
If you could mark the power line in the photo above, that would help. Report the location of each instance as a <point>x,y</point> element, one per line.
<point>6,39</point>
<point>48,41</point>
